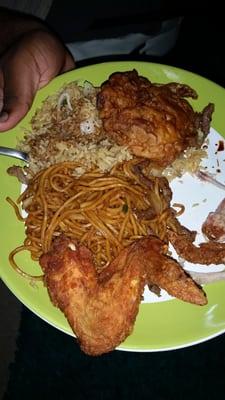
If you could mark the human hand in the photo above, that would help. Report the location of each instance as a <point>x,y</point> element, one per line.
<point>29,64</point>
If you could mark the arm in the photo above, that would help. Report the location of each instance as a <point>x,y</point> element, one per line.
<point>30,56</point>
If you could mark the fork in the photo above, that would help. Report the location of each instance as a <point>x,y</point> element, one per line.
<point>7,151</point>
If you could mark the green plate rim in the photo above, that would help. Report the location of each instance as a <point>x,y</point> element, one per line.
<point>159,326</point>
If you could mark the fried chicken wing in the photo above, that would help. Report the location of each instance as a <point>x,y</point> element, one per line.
<point>166,273</point>
<point>102,309</point>
<point>154,121</point>
<point>102,314</point>
<point>205,253</point>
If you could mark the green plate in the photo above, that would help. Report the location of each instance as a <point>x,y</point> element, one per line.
<point>160,325</point>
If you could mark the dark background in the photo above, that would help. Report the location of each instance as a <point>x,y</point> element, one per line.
<point>49,364</point>
<point>200,47</point>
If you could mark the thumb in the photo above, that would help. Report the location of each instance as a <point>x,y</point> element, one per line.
<point>17,90</point>
<point>1,96</point>
<point>12,113</point>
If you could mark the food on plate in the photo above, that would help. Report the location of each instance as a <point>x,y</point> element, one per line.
<point>104,211</point>
<point>153,120</point>
<point>67,127</point>
<point>166,273</point>
<point>189,162</point>
<point>98,214</point>
<point>72,125</point>
<point>204,253</point>
<point>214,225</point>
<point>69,114</point>
<point>102,308</point>
<point>101,313</point>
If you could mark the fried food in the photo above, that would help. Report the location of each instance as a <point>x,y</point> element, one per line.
<point>102,309</point>
<point>154,121</point>
<point>166,273</point>
<point>102,234</point>
<point>102,314</point>
<point>205,253</point>
<point>214,225</point>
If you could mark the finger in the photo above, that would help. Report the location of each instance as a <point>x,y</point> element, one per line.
<point>17,96</point>
<point>3,114</point>
<point>69,63</point>
<point>14,111</point>
<point>26,69</point>
<point>9,119</point>
<point>1,91</point>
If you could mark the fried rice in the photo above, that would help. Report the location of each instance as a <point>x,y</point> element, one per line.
<point>67,127</point>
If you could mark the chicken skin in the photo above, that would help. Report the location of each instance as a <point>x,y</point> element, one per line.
<point>102,309</point>
<point>154,121</point>
<point>205,253</point>
<point>167,274</point>
<point>102,314</point>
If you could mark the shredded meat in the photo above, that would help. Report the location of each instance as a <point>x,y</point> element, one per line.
<point>18,172</point>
